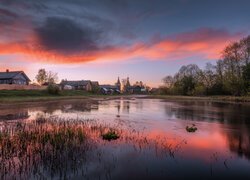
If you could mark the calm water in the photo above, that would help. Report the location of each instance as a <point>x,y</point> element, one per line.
<point>153,143</point>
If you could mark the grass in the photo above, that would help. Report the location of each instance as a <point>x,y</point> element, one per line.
<point>62,148</point>
<point>40,95</point>
<point>204,98</point>
<point>43,95</point>
<point>49,145</point>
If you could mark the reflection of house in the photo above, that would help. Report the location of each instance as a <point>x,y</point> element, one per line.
<point>14,77</point>
<point>77,85</point>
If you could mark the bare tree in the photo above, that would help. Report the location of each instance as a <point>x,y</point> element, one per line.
<point>169,81</point>
<point>52,77</point>
<point>209,76</point>
<point>245,49</point>
<point>44,76</point>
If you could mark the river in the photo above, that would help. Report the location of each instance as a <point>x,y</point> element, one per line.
<point>153,140</point>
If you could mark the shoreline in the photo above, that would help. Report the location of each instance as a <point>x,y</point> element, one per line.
<point>50,99</point>
<point>222,99</point>
<point>46,99</point>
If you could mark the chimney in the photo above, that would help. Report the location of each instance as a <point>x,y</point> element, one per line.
<point>7,70</point>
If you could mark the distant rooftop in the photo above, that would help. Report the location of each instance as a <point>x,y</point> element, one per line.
<point>75,83</point>
<point>11,74</point>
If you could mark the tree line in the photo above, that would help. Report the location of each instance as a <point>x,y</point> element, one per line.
<point>44,77</point>
<point>229,76</point>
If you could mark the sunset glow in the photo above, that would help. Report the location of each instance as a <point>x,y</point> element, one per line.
<point>40,34</point>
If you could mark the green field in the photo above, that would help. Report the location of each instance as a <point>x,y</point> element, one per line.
<point>43,95</point>
<point>39,95</point>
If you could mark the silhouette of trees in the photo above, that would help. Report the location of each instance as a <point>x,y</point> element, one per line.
<point>46,77</point>
<point>230,75</point>
<point>41,77</point>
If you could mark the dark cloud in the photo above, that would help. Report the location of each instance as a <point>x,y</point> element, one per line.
<point>81,26</point>
<point>65,35</point>
<point>5,12</point>
<point>7,17</point>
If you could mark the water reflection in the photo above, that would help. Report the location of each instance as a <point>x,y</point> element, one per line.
<point>153,141</point>
<point>15,116</point>
<point>208,111</point>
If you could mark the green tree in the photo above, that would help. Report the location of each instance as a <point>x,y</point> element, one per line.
<point>48,77</point>
<point>246,77</point>
<point>41,77</point>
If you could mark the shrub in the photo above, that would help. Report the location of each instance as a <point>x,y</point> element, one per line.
<point>111,135</point>
<point>199,90</point>
<point>191,129</point>
<point>53,89</point>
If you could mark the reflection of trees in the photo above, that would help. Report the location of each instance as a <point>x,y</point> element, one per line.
<point>15,116</point>
<point>19,112</point>
<point>239,140</point>
<point>235,116</point>
<point>208,111</point>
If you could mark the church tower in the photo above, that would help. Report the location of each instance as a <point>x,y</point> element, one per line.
<point>118,84</point>
<point>128,83</point>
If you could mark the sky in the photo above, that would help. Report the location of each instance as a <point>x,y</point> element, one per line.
<point>101,40</point>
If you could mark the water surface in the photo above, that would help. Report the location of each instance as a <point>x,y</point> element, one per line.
<point>153,143</point>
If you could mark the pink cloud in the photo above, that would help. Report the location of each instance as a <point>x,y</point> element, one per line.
<point>205,42</point>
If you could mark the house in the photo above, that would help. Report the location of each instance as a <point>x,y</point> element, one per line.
<point>109,89</point>
<point>95,83</point>
<point>14,77</point>
<point>76,85</point>
<point>136,89</point>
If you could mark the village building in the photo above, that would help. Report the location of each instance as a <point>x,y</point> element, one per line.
<point>95,83</point>
<point>76,85</point>
<point>14,77</point>
<point>111,89</point>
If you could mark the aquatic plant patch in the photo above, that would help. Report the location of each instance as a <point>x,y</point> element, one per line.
<point>192,128</point>
<point>111,135</point>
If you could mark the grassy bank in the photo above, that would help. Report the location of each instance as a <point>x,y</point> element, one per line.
<point>204,98</point>
<point>24,96</point>
<point>9,96</point>
<point>39,95</point>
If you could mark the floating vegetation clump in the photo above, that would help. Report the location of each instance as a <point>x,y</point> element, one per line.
<point>111,135</point>
<point>192,128</point>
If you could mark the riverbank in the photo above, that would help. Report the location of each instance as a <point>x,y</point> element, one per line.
<point>240,99</point>
<point>26,96</point>
<point>8,96</point>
